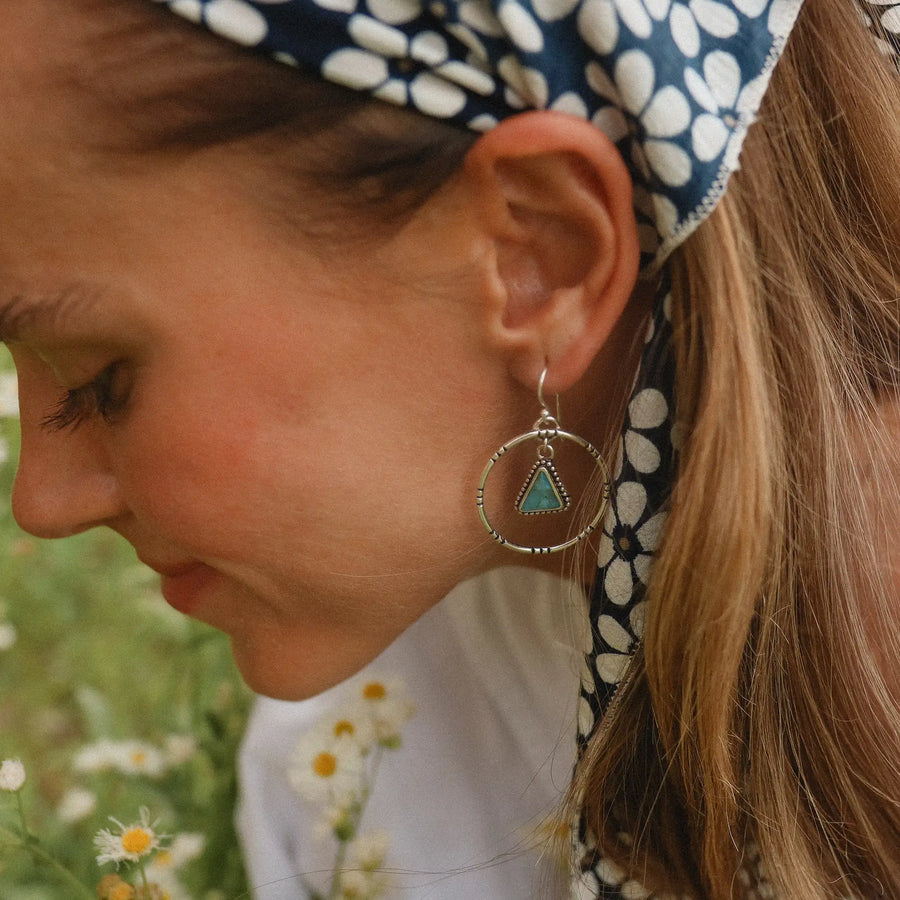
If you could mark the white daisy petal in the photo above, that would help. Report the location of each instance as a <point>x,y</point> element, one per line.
<point>520,26</point>
<point>393,91</point>
<point>667,114</point>
<point>723,75</point>
<point>479,17</point>
<point>635,18</point>
<point>634,76</point>
<point>637,618</point>
<point>642,453</point>
<point>606,551</point>
<point>611,122</point>
<point>601,84</point>
<point>370,34</point>
<point>648,409</point>
<point>609,873</point>
<point>715,18</point>
<point>631,501</point>
<point>429,47</point>
<point>650,532</point>
<point>684,30</point>
<point>614,634</point>
<point>554,10</point>
<point>190,9</point>
<point>393,12</point>
<point>572,104</point>
<point>585,716</point>
<point>467,77</point>
<point>435,97</point>
<point>611,666</point>
<point>669,162</point>
<point>618,582</point>
<point>237,21</point>
<point>357,69</point>
<point>642,563</point>
<point>598,25</point>
<point>666,214</point>
<point>700,91</point>
<point>751,8</point>
<point>709,135</point>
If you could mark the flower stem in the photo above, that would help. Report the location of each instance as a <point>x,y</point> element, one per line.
<point>334,890</point>
<point>30,844</point>
<point>144,881</point>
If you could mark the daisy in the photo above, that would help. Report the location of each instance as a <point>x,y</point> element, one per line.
<point>368,851</point>
<point>327,770</point>
<point>389,708</point>
<point>12,775</point>
<point>129,843</point>
<point>76,804</point>
<point>139,758</point>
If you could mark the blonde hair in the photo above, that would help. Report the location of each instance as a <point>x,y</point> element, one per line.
<point>760,708</point>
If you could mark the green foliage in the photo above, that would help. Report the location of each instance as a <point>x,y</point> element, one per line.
<point>98,655</point>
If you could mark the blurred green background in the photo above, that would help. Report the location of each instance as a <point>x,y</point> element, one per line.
<point>90,652</point>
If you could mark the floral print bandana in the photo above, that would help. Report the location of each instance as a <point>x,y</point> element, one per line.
<point>675,84</point>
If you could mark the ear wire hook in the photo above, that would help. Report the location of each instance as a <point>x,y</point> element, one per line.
<point>545,410</point>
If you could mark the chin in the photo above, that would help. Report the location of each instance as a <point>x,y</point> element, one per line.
<point>295,675</point>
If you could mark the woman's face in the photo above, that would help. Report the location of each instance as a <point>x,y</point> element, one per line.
<point>290,433</point>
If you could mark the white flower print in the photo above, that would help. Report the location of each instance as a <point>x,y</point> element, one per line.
<point>720,91</point>
<point>440,92</point>
<point>520,26</point>
<point>395,12</point>
<point>611,666</point>
<point>614,634</point>
<point>479,17</point>
<point>626,551</point>
<point>687,19</point>
<point>525,86</point>
<point>663,113</point>
<point>554,10</point>
<point>237,21</point>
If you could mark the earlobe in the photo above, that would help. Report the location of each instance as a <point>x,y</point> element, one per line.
<point>554,199</point>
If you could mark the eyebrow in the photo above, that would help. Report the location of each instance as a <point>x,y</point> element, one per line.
<point>21,313</point>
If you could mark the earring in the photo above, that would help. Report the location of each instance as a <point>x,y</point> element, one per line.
<point>543,491</point>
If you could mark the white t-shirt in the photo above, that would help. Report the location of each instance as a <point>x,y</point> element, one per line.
<point>494,671</point>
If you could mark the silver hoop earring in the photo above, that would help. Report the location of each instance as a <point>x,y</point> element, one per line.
<point>543,491</point>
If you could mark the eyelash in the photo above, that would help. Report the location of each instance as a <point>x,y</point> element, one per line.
<point>104,397</point>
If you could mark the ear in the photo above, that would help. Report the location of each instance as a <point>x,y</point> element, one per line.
<point>554,199</point>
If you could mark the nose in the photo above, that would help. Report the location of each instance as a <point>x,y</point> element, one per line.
<point>64,484</point>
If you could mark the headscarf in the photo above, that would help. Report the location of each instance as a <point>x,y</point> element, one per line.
<point>675,84</point>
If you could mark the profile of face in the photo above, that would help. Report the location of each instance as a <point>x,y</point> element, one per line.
<point>289,429</point>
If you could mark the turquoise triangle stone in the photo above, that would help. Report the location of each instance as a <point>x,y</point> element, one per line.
<point>541,495</point>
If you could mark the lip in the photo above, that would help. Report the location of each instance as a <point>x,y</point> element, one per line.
<point>183,588</point>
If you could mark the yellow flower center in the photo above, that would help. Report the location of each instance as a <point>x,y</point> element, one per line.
<point>138,758</point>
<point>325,765</point>
<point>344,727</point>
<point>122,891</point>
<point>136,840</point>
<point>163,859</point>
<point>374,690</point>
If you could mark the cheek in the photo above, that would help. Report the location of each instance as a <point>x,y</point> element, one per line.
<point>190,472</point>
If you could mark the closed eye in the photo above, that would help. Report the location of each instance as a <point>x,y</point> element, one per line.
<point>104,397</point>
